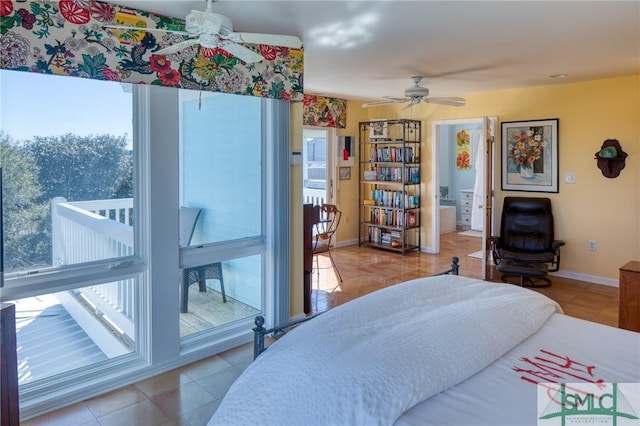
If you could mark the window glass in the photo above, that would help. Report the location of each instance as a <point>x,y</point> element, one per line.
<point>222,159</point>
<point>314,151</point>
<point>67,153</point>
<point>64,331</point>
<point>222,164</point>
<point>67,159</point>
<point>207,308</point>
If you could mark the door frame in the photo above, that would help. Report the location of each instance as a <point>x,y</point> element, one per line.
<point>331,161</point>
<point>489,161</point>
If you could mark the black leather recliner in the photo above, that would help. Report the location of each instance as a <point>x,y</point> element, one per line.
<point>526,245</point>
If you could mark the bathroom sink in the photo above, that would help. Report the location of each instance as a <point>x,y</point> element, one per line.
<point>447,202</point>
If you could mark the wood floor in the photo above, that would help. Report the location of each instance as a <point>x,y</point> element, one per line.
<point>191,394</point>
<point>365,270</point>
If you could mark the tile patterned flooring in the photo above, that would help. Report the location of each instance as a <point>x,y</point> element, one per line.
<point>191,394</point>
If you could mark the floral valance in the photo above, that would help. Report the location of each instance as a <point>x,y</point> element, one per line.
<point>67,37</point>
<point>323,111</point>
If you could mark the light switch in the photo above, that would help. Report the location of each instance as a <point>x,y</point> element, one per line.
<point>296,157</point>
<point>570,178</point>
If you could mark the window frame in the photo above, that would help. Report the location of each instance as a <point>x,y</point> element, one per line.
<point>157,256</point>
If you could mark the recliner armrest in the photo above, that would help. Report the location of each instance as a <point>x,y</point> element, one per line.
<point>493,241</point>
<point>557,244</point>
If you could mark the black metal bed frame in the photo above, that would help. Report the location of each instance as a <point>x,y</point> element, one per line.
<point>259,332</point>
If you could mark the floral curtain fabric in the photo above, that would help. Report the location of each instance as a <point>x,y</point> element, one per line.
<point>324,112</point>
<point>67,37</point>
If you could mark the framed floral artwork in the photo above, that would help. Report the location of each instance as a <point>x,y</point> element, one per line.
<point>530,155</point>
<point>463,146</point>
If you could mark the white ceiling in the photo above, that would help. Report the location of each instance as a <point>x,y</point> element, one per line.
<point>369,49</point>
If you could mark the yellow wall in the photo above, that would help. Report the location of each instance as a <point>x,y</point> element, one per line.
<point>348,189</point>
<point>296,301</point>
<point>594,208</point>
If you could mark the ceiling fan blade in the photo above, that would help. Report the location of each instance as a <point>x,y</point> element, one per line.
<point>455,101</point>
<point>409,105</point>
<point>376,103</point>
<point>241,52</point>
<point>176,47</point>
<point>397,100</point>
<point>270,39</point>
<point>130,28</point>
<point>449,98</point>
<point>388,100</point>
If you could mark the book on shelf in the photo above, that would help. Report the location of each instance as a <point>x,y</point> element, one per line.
<point>412,175</point>
<point>398,199</point>
<point>370,175</point>
<point>382,236</point>
<point>392,154</point>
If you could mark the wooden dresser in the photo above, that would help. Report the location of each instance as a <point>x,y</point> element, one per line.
<point>629,297</point>
<point>9,410</point>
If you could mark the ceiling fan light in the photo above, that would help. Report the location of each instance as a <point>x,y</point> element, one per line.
<point>208,40</point>
<point>416,91</point>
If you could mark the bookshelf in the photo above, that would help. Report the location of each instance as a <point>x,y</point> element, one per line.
<point>389,190</point>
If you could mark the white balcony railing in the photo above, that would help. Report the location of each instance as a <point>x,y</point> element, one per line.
<point>313,196</point>
<point>86,231</point>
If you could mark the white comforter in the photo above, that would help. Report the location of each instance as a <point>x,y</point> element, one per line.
<point>369,360</point>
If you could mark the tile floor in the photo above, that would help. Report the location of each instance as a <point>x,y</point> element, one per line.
<point>191,394</point>
<point>186,396</point>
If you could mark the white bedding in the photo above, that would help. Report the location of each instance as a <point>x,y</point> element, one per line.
<point>504,393</point>
<point>370,360</point>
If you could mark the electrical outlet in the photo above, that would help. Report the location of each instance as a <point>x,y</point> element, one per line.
<point>570,178</point>
<point>591,245</point>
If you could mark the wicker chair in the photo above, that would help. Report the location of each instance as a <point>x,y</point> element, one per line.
<point>196,274</point>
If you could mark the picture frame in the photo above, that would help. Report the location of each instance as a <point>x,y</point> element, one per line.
<point>345,173</point>
<point>530,155</point>
<point>378,128</point>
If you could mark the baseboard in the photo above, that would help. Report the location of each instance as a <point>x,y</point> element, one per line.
<point>585,277</point>
<point>346,243</point>
<point>297,317</point>
<point>563,274</point>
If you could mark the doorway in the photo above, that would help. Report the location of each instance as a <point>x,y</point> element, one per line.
<point>318,144</point>
<point>462,180</point>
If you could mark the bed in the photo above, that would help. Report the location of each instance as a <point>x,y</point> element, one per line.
<point>436,350</point>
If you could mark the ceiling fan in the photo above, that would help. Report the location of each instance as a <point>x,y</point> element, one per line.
<point>416,94</point>
<point>211,30</point>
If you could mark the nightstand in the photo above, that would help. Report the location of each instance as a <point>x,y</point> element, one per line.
<point>629,297</point>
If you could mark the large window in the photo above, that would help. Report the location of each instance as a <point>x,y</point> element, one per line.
<point>95,174</point>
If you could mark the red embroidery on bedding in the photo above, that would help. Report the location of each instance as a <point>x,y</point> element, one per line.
<point>553,368</point>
